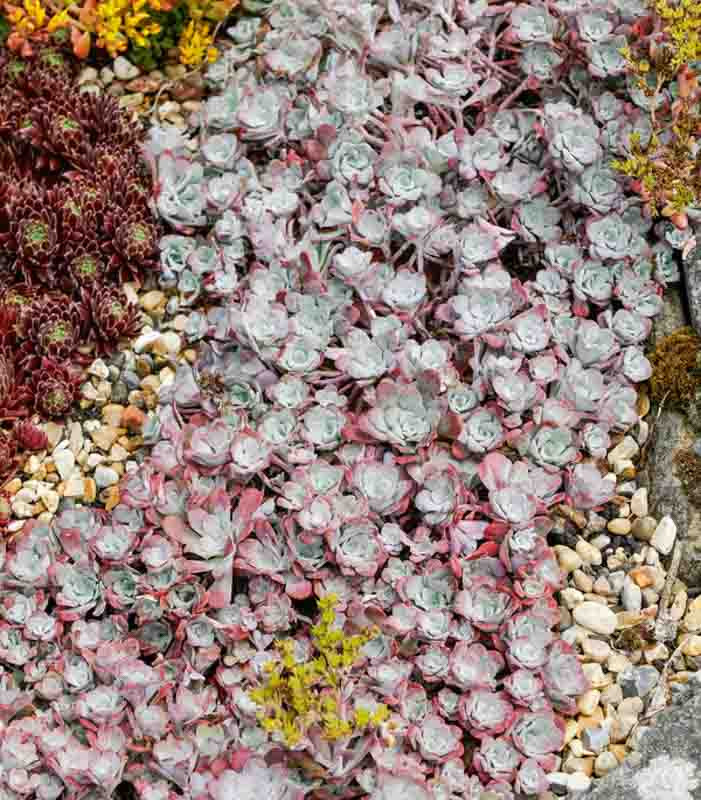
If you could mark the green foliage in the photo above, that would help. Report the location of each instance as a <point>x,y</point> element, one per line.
<point>4,29</point>
<point>297,696</point>
<point>172,24</point>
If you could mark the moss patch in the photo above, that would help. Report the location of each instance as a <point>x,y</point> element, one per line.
<point>675,375</point>
<point>687,467</point>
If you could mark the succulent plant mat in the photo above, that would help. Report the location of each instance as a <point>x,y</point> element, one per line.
<point>326,394</point>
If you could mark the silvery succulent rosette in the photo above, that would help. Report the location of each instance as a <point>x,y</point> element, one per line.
<point>390,395</point>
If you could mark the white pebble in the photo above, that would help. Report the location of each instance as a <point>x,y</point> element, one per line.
<point>664,536</point>
<point>632,596</point>
<point>65,463</point>
<point>595,617</point>
<point>626,449</point>
<point>106,476</point>
<point>638,502</point>
<point>124,69</point>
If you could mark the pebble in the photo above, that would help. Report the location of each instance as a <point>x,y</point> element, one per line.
<point>638,681</point>
<point>691,646</point>
<point>65,463</point>
<point>106,76</point>
<point>604,763</point>
<point>131,100</point>
<point>124,69</point>
<point>638,503</point>
<point>588,702</point>
<point>105,476</point>
<point>588,553</point>
<point>596,650</point>
<point>596,739</point>
<point>567,558</point>
<point>620,526</point>
<point>99,369</point>
<point>631,596</point>
<point>626,449</point>
<point>664,536</point>
<point>152,300</point>
<point>87,75</point>
<point>74,487</point>
<point>643,528</point>
<point>582,581</point>
<point>578,783</point>
<point>105,436</point>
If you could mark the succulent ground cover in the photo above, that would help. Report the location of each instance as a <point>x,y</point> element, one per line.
<point>74,223</point>
<point>420,294</point>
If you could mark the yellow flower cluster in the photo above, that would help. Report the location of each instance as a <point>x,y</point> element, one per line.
<point>120,23</point>
<point>27,18</point>
<point>196,44</point>
<point>117,25</point>
<point>297,696</point>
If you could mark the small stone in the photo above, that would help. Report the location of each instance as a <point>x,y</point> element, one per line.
<point>638,503</point>
<point>582,581</point>
<point>631,596</point>
<point>13,486</point>
<point>604,763</point>
<point>571,597</point>
<point>601,541</point>
<point>54,432</point>
<point>87,75</point>
<point>588,702</point>
<point>596,650</point>
<point>642,577</point>
<point>175,71</point>
<point>124,69</point>
<point>602,586</point>
<point>588,553</point>
<point>105,436</point>
<point>105,476</point>
<point>131,100</point>
<point>621,727</point>
<point>612,695</point>
<point>152,300</point>
<point>638,681</point>
<point>631,707</point>
<point>145,341</point>
<point>167,344</point>
<point>65,463</point>
<point>133,419</point>
<point>691,646</point>
<point>618,662</point>
<point>106,76</point>
<point>50,499</point>
<point>596,739</point>
<point>678,607</point>
<point>597,678</point>
<point>89,490</point>
<point>656,652</point>
<point>578,783</point>
<point>99,369</point>
<point>626,449</point>
<point>118,453</point>
<point>643,528</point>
<point>619,526</point>
<point>664,536</point>
<point>22,509</point>
<point>567,559</point>
<point>74,487</point>
<point>110,497</point>
<point>112,414</point>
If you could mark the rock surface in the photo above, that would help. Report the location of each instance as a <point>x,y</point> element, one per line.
<point>667,765</point>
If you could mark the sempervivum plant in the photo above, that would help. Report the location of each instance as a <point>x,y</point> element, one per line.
<point>113,317</point>
<point>74,219</point>
<point>390,399</point>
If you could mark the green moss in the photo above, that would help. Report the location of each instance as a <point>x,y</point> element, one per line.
<point>675,376</point>
<point>687,467</point>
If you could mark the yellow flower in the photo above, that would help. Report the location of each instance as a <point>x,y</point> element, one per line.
<point>195,43</point>
<point>58,21</point>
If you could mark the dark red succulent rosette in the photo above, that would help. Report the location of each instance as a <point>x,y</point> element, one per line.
<point>55,387</point>
<point>134,241</point>
<point>8,455</point>
<point>33,236</point>
<point>53,326</point>
<point>113,317</point>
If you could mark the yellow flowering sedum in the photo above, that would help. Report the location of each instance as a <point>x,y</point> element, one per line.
<point>297,696</point>
<point>196,44</point>
<point>118,25</point>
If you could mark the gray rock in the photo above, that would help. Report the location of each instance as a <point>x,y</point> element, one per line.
<point>638,681</point>
<point>596,739</point>
<point>692,281</point>
<point>668,764</point>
